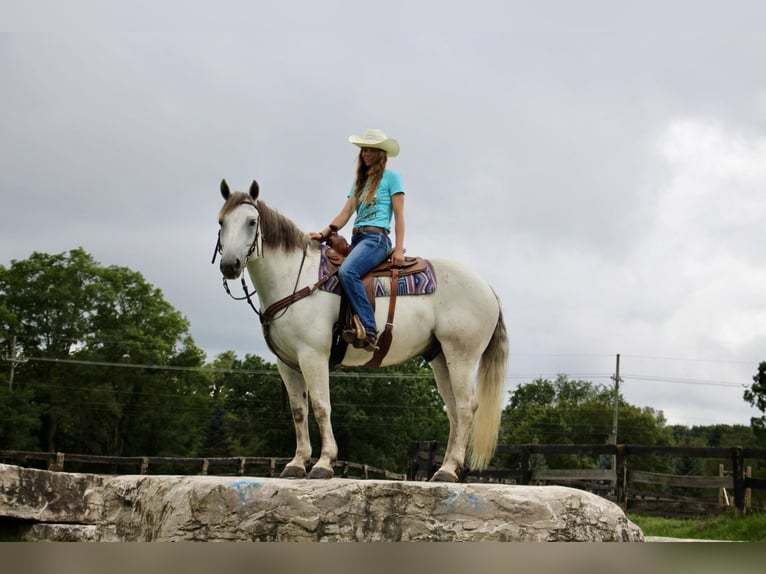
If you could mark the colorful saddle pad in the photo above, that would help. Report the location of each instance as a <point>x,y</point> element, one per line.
<point>418,283</point>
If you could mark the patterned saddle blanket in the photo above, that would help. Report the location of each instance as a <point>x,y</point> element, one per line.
<point>419,278</point>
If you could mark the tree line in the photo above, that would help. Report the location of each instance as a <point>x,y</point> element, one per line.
<point>68,325</point>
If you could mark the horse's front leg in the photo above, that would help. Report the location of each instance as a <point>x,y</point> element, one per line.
<point>316,373</point>
<point>297,393</point>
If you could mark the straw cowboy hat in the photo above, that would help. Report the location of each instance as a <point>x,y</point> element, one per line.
<point>377,139</point>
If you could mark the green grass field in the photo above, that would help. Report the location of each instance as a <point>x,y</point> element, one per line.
<point>749,528</point>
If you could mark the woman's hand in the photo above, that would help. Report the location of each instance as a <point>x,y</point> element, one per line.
<point>397,257</point>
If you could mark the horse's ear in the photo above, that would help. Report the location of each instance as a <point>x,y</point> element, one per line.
<point>225,189</point>
<point>254,190</point>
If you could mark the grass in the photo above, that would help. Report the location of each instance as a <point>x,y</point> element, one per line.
<point>749,528</point>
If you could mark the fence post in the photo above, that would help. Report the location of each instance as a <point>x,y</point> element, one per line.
<point>738,473</point>
<point>412,460</point>
<point>721,497</point>
<point>431,458</point>
<point>144,465</point>
<point>621,476</point>
<point>526,467</point>
<point>58,464</point>
<point>415,470</point>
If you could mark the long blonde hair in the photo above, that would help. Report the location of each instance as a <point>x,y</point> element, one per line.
<point>368,177</point>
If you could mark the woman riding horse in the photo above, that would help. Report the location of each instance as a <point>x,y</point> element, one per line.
<point>376,195</point>
<point>459,328</point>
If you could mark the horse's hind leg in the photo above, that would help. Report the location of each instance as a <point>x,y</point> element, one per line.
<point>297,393</point>
<point>455,384</point>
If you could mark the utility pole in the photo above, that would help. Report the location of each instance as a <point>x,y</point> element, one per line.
<point>616,378</point>
<point>14,360</point>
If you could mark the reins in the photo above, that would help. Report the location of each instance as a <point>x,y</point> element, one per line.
<point>253,249</point>
<point>270,314</point>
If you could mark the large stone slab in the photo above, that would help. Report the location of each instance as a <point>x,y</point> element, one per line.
<point>41,496</point>
<point>208,508</point>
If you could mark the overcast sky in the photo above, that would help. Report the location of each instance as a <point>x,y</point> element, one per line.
<point>601,164</point>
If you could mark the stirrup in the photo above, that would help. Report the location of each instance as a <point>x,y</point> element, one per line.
<point>354,333</point>
<point>369,343</point>
<point>358,336</point>
<point>361,332</point>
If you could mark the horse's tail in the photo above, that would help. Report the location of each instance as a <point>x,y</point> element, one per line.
<point>490,394</point>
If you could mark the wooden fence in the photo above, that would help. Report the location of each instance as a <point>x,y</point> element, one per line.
<point>238,466</point>
<point>620,482</point>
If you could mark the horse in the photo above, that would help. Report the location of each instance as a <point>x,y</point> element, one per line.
<point>459,328</point>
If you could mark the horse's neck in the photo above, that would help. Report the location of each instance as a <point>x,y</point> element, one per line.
<point>275,274</point>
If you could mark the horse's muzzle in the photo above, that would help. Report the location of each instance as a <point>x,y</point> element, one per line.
<point>231,269</point>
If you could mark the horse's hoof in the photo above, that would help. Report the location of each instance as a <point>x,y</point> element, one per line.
<point>293,472</point>
<point>320,472</point>
<point>444,476</point>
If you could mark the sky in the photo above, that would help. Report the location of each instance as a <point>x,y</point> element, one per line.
<point>602,164</point>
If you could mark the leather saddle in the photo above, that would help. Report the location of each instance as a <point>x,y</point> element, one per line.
<point>338,249</point>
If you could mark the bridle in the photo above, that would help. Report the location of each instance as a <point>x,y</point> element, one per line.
<point>278,308</point>
<point>255,247</point>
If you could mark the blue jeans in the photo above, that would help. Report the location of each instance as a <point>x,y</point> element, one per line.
<point>368,249</point>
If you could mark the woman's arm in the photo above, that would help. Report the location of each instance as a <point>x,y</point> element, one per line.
<point>338,221</point>
<point>397,201</point>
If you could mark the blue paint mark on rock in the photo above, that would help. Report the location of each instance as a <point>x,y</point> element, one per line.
<point>459,498</point>
<point>245,488</point>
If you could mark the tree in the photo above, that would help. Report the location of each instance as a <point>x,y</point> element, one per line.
<point>756,396</point>
<point>257,416</point>
<point>77,322</point>
<point>686,466</point>
<point>19,422</point>
<point>216,441</point>
<point>375,413</point>
<point>557,412</point>
<point>568,411</point>
<point>378,413</point>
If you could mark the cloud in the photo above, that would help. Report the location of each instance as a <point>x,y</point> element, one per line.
<point>684,304</point>
<point>707,243</point>
<point>601,167</point>
<point>698,276</point>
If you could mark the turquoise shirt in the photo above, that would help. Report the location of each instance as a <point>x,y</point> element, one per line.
<point>379,211</point>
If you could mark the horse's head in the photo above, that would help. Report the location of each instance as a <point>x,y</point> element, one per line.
<point>240,233</point>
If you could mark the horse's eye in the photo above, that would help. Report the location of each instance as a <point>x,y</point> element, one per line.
<point>253,222</point>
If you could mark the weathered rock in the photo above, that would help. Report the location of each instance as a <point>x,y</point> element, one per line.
<point>176,508</point>
<point>41,496</point>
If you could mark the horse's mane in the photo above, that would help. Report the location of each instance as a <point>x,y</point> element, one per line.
<point>279,232</point>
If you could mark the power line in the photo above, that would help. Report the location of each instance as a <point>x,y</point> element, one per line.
<point>211,369</point>
<point>555,375</point>
<point>103,337</point>
<point>374,375</point>
<point>692,360</point>
<point>661,379</point>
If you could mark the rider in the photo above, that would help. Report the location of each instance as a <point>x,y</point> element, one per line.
<point>376,195</point>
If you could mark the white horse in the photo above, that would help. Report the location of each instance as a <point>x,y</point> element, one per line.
<point>461,320</point>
